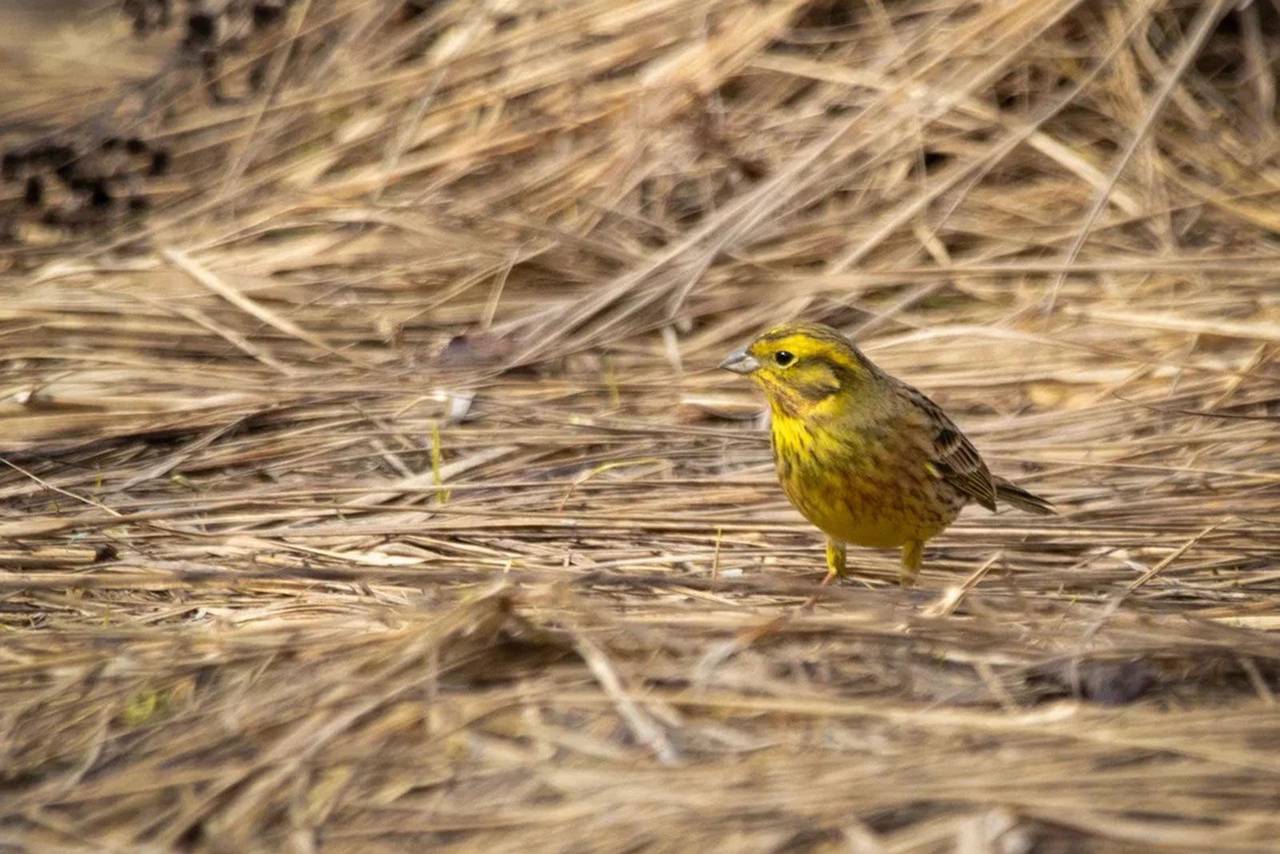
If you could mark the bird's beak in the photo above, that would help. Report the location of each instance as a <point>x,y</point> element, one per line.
<point>740,362</point>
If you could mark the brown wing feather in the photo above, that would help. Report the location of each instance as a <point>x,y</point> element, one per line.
<point>953,456</point>
<point>963,468</point>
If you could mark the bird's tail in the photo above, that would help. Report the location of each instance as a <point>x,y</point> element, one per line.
<point>1020,498</point>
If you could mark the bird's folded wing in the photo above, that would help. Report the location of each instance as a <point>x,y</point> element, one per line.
<point>952,457</point>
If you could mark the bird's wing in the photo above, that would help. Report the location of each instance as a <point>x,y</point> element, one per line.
<point>952,457</point>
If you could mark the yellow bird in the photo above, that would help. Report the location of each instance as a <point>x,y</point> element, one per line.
<point>865,457</point>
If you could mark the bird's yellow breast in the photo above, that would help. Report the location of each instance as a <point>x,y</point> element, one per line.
<point>859,484</point>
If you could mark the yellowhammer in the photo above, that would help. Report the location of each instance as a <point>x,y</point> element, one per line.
<point>865,457</point>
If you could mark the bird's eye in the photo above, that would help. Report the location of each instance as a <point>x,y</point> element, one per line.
<point>784,358</point>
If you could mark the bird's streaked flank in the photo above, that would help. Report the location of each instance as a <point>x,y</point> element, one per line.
<point>865,457</point>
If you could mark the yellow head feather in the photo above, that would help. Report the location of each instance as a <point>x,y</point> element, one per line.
<point>801,366</point>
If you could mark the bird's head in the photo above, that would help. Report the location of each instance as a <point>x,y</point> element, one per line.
<point>803,368</point>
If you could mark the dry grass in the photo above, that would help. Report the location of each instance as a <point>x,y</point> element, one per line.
<point>377,491</point>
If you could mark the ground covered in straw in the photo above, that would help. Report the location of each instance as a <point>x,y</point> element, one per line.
<point>367,483</point>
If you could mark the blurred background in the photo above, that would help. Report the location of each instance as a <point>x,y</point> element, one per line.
<point>368,483</point>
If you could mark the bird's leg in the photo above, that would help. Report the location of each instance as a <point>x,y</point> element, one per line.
<point>835,569</point>
<point>912,557</point>
<point>835,561</point>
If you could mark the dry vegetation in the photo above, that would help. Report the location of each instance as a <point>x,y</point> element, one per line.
<point>368,485</point>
